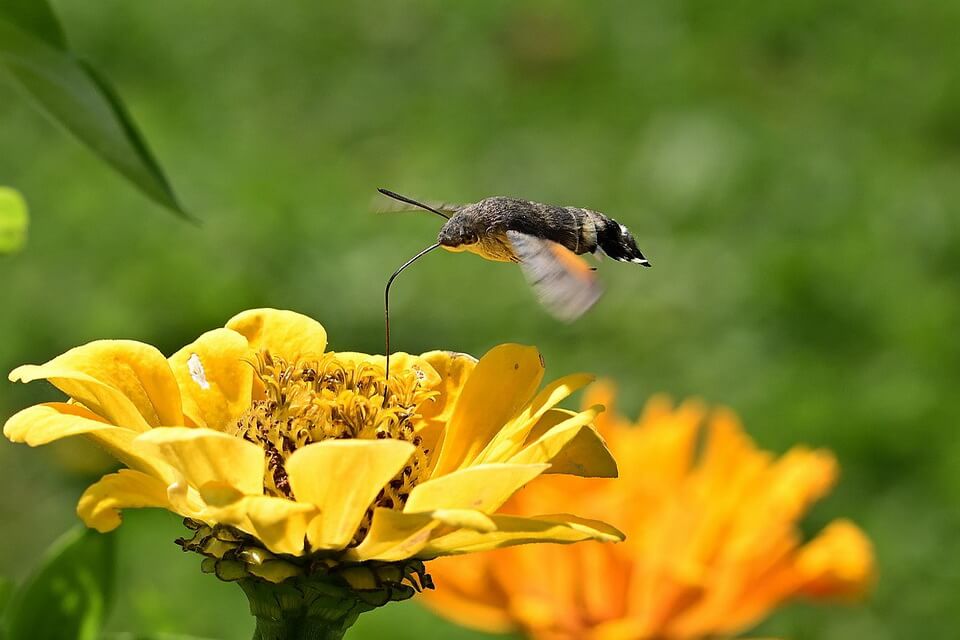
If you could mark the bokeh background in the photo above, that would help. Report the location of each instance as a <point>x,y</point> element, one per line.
<point>790,168</point>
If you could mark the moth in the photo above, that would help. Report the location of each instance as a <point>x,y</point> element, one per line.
<point>545,240</point>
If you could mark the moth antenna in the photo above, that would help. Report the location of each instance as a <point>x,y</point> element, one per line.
<point>397,196</point>
<point>386,311</point>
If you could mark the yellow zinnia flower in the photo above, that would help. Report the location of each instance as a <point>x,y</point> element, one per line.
<point>287,459</point>
<point>712,545</point>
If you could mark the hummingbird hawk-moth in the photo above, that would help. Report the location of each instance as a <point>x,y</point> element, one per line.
<point>545,240</point>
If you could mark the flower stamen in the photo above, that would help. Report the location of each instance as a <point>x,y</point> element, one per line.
<point>334,397</point>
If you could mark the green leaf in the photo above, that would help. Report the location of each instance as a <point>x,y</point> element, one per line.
<point>36,17</point>
<point>6,590</point>
<point>126,635</point>
<point>77,97</point>
<point>13,220</point>
<point>69,593</point>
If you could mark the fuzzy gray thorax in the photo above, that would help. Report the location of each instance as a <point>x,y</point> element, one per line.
<point>481,227</point>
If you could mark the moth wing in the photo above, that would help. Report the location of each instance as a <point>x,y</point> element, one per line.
<point>386,205</point>
<point>564,283</point>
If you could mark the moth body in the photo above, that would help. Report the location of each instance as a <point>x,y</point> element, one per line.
<point>545,240</point>
<point>482,228</point>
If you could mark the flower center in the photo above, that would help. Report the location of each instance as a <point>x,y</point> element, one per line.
<point>334,397</point>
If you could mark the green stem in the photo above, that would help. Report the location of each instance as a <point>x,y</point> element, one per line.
<point>297,629</point>
<point>302,609</point>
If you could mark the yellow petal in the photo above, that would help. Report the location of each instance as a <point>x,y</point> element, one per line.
<point>100,504</point>
<point>215,378</point>
<point>514,530</point>
<point>500,385</point>
<point>554,393</point>
<point>549,420</point>
<point>453,369</point>
<point>573,447</point>
<point>394,536</point>
<point>342,478</point>
<point>279,523</point>
<point>205,456</point>
<point>44,423</point>
<point>511,438</point>
<point>128,383</point>
<point>585,455</point>
<point>482,487</point>
<point>465,519</point>
<point>286,334</point>
<point>399,361</point>
<point>219,494</point>
<point>216,503</point>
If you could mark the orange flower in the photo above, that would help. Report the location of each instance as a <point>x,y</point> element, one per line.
<point>712,539</point>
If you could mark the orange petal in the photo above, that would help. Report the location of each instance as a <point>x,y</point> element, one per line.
<point>838,563</point>
<point>467,594</point>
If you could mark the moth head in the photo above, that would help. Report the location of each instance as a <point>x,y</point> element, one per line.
<point>458,233</point>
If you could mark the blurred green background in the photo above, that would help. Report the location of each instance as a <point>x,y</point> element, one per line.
<point>790,168</point>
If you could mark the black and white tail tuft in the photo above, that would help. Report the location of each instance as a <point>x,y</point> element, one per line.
<point>616,241</point>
